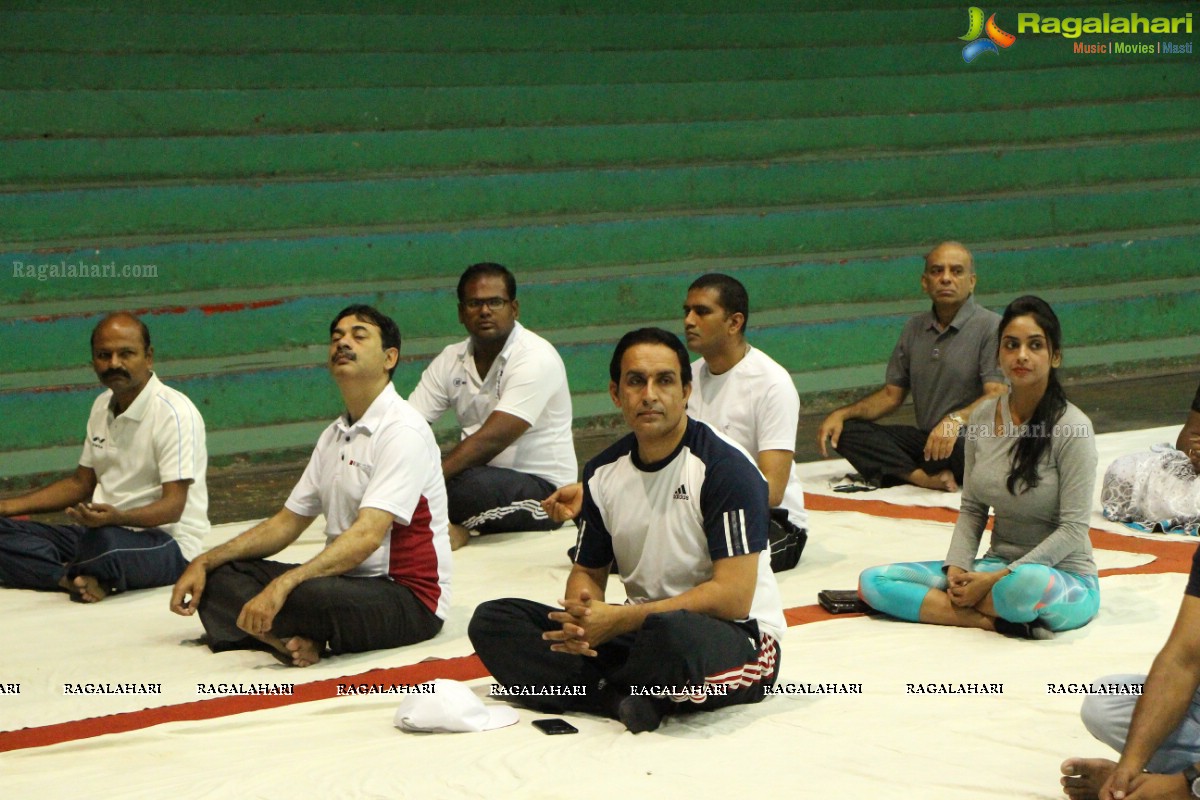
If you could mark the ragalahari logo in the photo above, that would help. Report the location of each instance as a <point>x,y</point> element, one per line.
<point>976,46</point>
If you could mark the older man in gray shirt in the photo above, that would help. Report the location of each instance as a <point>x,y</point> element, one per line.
<point>946,358</point>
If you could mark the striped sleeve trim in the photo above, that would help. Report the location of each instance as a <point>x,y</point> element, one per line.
<point>579,540</point>
<point>736,541</point>
<point>179,438</point>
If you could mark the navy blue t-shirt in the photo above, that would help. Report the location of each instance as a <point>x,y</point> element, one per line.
<point>1193,584</point>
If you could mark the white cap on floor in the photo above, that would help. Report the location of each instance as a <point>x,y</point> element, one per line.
<point>450,707</point>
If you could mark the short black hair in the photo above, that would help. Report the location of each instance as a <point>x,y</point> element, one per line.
<point>124,315</point>
<point>730,294</point>
<point>389,331</point>
<point>650,336</point>
<point>485,268</point>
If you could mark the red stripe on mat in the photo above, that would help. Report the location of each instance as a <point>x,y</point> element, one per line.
<point>1170,556</point>
<point>466,668</point>
<point>878,508</point>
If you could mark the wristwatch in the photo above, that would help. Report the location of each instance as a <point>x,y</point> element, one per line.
<point>1192,776</point>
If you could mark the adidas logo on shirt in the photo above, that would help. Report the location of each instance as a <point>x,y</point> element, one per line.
<point>681,493</point>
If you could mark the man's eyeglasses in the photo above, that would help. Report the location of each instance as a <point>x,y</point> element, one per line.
<point>494,303</point>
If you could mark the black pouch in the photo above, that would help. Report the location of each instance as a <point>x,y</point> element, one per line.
<point>786,541</point>
<point>843,601</point>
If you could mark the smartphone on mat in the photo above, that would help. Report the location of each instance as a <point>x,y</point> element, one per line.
<point>554,726</point>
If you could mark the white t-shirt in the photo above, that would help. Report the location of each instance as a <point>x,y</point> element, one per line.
<point>387,460</point>
<point>158,439</point>
<point>756,405</point>
<point>665,523</point>
<point>528,380</point>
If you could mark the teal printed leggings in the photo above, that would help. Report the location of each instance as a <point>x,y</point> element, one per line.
<point>1061,600</point>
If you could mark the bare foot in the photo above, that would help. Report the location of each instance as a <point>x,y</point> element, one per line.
<point>1083,777</point>
<point>946,479</point>
<point>941,481</point>
<point>88,589</point>
<point>304,652</point>
<point>459,536</point>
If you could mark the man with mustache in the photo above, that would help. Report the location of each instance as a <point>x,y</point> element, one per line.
<point>383,577</point>
<point>946,358</point>
<point>138,496</point>
<point>508,388</point>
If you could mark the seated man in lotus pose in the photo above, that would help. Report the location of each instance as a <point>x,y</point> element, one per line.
<point>383,577</point>
<point>508,388</point>
<point>946,358</point>
<point>138,496</point>
<point>682,512</point>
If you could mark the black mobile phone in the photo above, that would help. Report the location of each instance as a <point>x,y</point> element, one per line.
<point>554,726</point>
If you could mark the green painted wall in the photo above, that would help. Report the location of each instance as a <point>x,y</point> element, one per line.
<point>260,165</point>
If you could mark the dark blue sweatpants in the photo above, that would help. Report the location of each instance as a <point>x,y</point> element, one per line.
<point>37,555</point>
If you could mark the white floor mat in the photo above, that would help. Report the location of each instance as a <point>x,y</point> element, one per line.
<point>885,741</point>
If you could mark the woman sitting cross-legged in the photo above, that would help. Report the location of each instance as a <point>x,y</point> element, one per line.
<point>1031,458</point>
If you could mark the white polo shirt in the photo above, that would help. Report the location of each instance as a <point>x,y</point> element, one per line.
<point>754,403</point>
<point>387,460</point>
<point>157,440</point>
<point>528,380</point>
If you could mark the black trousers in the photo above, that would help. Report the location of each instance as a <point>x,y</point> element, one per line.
<point>350,615</point>
<point>676,649</point>
<point>499,500</point>
<point>886,454</point>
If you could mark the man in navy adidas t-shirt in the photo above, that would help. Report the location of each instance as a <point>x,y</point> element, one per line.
<point>682,512</point>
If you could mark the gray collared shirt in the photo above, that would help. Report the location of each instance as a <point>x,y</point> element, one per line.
<point>945,370</point>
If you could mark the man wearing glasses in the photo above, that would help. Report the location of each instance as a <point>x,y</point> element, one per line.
<point>508,388</point>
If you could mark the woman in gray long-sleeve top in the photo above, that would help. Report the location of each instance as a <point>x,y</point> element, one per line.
<point>1031,458</point>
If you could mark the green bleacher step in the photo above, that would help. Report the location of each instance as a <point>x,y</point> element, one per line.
<point>48,162</point>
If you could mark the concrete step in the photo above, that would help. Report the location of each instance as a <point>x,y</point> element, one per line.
<point>126,112</point>
<point>281,329</point>
<point>564,243</point>
<point>448,201</point>
<point>50,162</point>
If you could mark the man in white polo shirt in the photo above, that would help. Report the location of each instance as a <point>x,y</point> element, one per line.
<point>508,388</point>
<point>383,577</point>
<point>138,494</point>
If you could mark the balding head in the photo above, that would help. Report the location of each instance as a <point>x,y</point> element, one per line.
<point>948,278</point>
<point>122,356</point>
<point>123,318</point>
<point>951,252</point>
